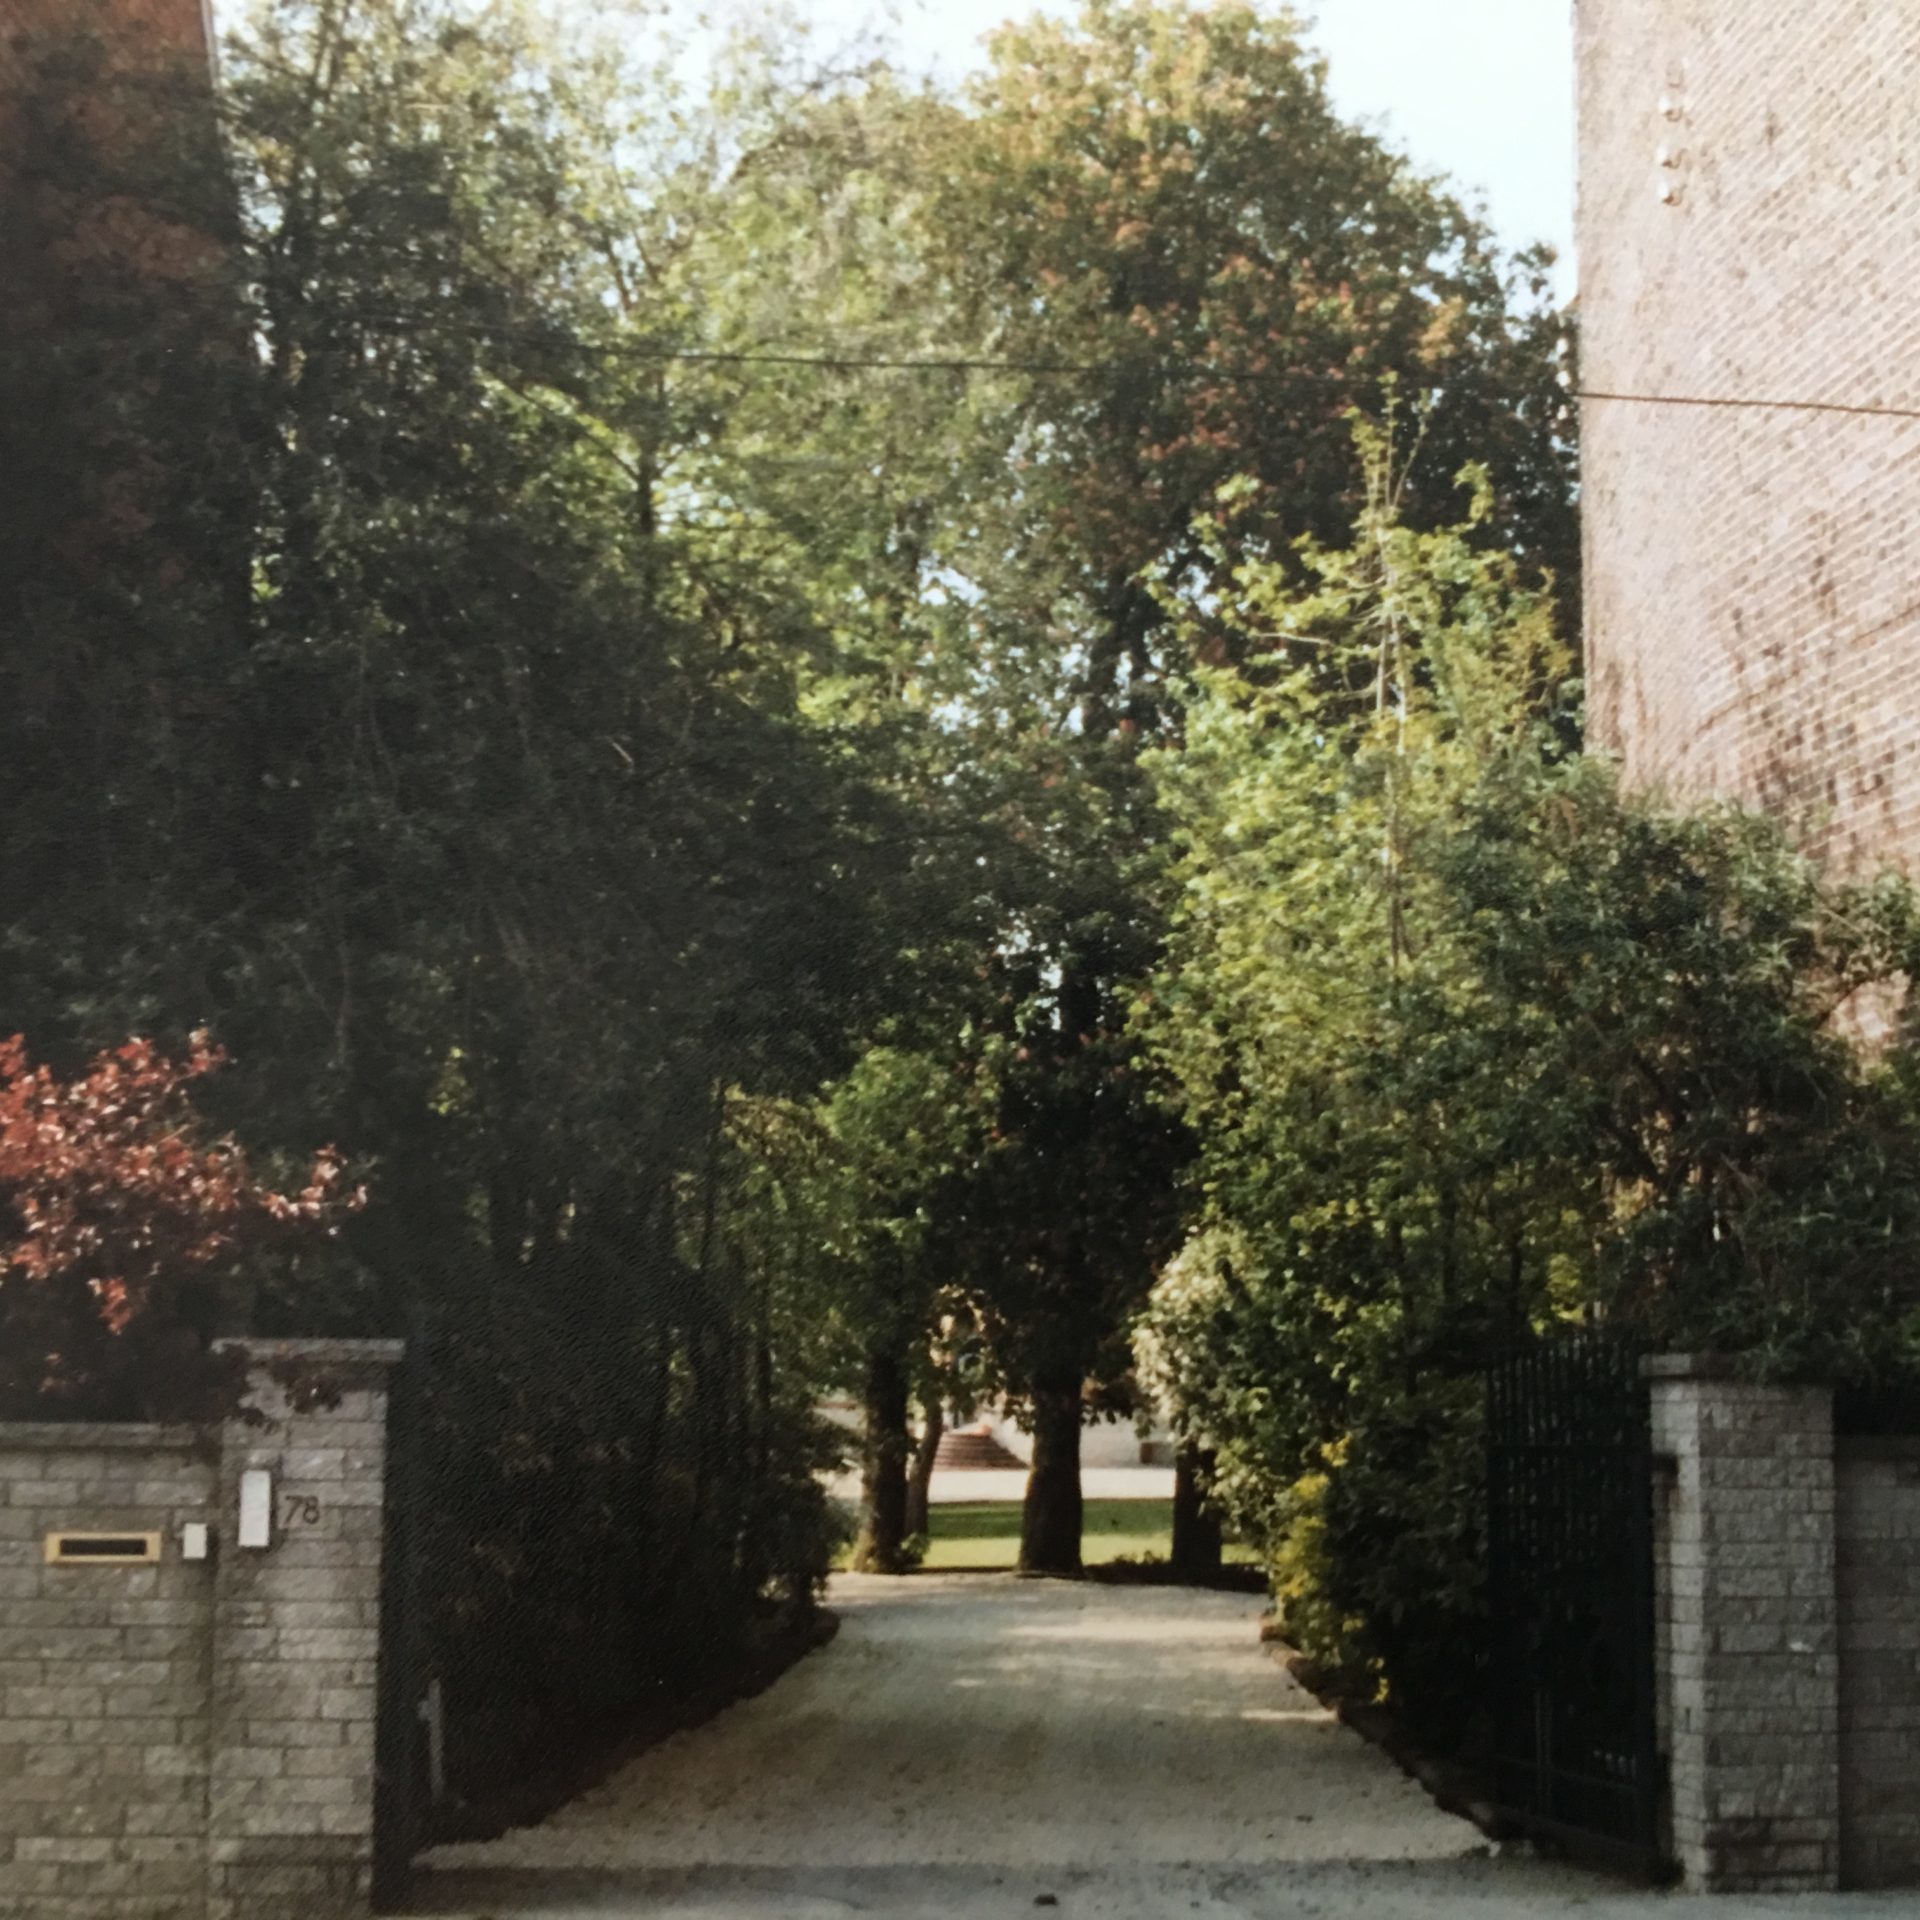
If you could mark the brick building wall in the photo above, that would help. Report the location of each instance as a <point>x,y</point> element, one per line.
<point>1749,227</point>
<point>106,74</point>
<point>113,203</point>
<point>137,34</point>
<point>126,510</point>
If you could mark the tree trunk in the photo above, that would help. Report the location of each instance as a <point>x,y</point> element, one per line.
<point>883,1473</point>
<point>1196,1528</point>
<point>1050,1521</point>
<point>921,1479</point>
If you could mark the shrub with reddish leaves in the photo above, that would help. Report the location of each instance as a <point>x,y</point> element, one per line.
<point>126,1235</point>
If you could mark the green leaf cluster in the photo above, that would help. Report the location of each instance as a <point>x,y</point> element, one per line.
<point>601,728</point>
<point>1474,1043</point>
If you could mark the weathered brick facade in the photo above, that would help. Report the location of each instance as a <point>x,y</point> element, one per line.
<point>137,33</point>
<point>113,289</point>
<point>1749,228</point>
<point>106,77</point>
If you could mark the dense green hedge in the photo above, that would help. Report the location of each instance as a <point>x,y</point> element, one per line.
<point>359,703</point>
<point>1475,1043</point>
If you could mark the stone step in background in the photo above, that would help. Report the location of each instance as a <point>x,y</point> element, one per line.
<point>974,1450</point>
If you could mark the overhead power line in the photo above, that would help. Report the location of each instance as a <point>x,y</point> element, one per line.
<point>827,362</point>
<point>652,353</point>
<point>1172,369</point>
<point>1751,402</point>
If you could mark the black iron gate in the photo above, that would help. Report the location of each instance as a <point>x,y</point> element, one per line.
<point>1570,1571</point>
<point>400,1760</point>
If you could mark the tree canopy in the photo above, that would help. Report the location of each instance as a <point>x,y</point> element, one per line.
<point>1475,1045</point>
<point>827,720</point>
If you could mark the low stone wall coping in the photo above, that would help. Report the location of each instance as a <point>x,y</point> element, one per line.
<point>325,1353</point>
<point>121,1436</point>
<point>1689,1366</point>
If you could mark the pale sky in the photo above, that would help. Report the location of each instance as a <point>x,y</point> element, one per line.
<point>1480,90</point>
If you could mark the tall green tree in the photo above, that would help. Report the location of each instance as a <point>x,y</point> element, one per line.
<point>1162,209</point>
<point>1000,358</point>
<point>536,860</point>
<point>487,828</point>
<point>1473,1044</point>
<point>843,1190</point>
<point>1194,269</point>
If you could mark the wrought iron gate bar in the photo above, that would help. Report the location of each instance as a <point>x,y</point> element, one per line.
<point>1570,1587</point>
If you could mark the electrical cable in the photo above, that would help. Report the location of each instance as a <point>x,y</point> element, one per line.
<point>1171,369</point>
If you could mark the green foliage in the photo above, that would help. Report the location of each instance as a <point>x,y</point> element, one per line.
<point>836,1209</point>
<point>417,744</point>
<point>1162,199</point>
<point>835,1223</point>
<point>679,823</point>
<point>1145,215</point>
<point>1163,195</point>
<point>1472,1043</point>
<point>1669,985</point>
<point>542,859</point>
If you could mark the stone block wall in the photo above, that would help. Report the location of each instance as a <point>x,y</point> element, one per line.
<point>1748,1678</point>
<point>1879,1591</point>
<point>103,1679</point>
<point>1749,229</point>
<point>296,1641</point>
<point>1787,1636</point>
<point>195,1739</point>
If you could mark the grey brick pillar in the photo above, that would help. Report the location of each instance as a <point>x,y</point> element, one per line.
<point>1748,1640</point>
<point>296,1634</point>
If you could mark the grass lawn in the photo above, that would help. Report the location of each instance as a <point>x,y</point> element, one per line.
<point>986,1533</point>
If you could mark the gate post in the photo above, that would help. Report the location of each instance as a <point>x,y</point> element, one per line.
<point>296,1634</point>
<point>1749,1679</point>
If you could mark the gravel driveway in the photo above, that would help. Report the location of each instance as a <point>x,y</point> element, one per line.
<point>975,1746</point>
